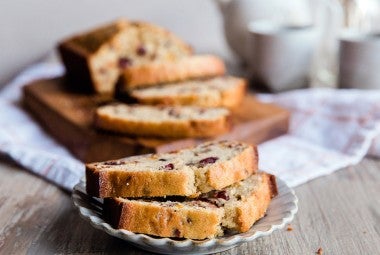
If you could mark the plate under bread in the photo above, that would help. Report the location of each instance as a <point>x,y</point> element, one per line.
<point>281,211</point>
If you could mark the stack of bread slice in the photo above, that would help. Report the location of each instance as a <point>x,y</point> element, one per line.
<point>175,93</point>
<point>194,193</point>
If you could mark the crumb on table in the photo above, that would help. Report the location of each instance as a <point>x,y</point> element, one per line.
<point>319,251</point>
<point>289,228</point>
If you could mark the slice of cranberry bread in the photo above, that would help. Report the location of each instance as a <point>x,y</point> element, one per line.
<point>236,208</point>
<point>94,58</point>
<point>163,121</point>
<point>188,172</point>
<point>194,219</point>
<point>181,69</point>
<point>223,91</point>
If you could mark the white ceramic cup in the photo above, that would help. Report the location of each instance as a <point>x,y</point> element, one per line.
<point>359,61</point>
<point>281,55</point>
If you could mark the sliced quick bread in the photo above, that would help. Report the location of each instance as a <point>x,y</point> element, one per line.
<point>181,69</point>
<point>225,91</point>
<point>236,208</point>
<point>188,172</point>
<point>195,219</point>
<point>94,58</point>
<point>163,121</point>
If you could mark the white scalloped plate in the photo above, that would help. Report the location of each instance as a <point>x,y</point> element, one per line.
<point>280,212</point>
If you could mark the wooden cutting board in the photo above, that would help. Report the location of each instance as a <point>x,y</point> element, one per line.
<point>68,117</point>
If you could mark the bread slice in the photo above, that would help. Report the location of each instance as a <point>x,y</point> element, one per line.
<point>163,121</point>
<point>181,69</point>
<point>223,91</point>
<point>206,167</point>
<point>195,219</point>
<point>94,58</point>
<point>236,208</point>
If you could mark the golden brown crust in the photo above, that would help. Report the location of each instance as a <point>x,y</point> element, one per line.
<point>200,66</point>
<point>80,54</point>
<point>238,168</point>
<point>138,183</point>
<point>77,68</point>
<point>257,204</point>
<point>165,221</point>
<point>91,41</point>
<point>93,182</point>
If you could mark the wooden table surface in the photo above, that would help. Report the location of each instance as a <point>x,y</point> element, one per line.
<point>339,213</point>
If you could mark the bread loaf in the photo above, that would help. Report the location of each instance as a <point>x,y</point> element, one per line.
<point>94,58</point>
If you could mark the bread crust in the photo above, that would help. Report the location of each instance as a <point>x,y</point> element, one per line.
<point>165,221</point>
<point>236,169</point>
<point>256,205</point>
<point>78,54</point>
<point>193,67</point>
<point>230,97</point>
<point>138,183</point>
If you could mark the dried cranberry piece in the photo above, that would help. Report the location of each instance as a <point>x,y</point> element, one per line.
<point>209,160</point>
<point>222,194</point>
<point>174,112</point>
<point>177,233</point>
<point>169,166</point>
<point>204,199</point>
<point>201,111</point>
<point>125,62</point>
<point>141,51</point>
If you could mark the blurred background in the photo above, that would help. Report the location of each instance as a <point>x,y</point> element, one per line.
<point>29,30</point>
<point>305,32</point>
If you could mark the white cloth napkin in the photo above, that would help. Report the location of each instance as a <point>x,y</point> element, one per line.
<point>329,129</point>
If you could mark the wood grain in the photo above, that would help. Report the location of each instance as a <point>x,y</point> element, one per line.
<point>339,212</point>
<point>68,116</point>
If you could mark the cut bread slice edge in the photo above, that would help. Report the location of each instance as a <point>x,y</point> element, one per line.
<point>163,121</point>
<point>222,91</point>
<point>191,67</point>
